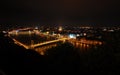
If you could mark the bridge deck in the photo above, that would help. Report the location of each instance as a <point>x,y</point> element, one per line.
<point>48,42</point>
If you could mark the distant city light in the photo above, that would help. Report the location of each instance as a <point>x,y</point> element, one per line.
<point>4,32</point>
<point>72,36</point>
<point>84,34</point>
<point>47,32</point>
<point>29,32</point>
<point>78,35</point>
<point>111,30</point>
<point>60,29</point>
<point>105,29</point>
<point>17,30</point>
<point>36,27</point>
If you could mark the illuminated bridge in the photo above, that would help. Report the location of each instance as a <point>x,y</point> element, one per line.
<point>48,42</point>
<point>39,44</point>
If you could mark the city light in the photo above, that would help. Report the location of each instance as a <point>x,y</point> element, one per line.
<point>84,34</point>
<point>72,36</point>
<point>60,28</point>
<point>47,32</point>
<point>78,35</point>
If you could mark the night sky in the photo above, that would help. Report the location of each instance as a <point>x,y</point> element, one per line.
<point>60,11</point>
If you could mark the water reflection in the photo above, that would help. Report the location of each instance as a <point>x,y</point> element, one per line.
<point>85,45</point>
<point>43,49</point>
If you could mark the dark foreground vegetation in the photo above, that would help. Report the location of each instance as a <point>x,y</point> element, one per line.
<point>63,59</point>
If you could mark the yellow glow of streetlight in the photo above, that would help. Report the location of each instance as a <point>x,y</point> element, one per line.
<point>60,29</point>
<point>47,32</point>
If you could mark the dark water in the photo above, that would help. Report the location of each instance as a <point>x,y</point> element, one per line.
<point>29,39</point>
